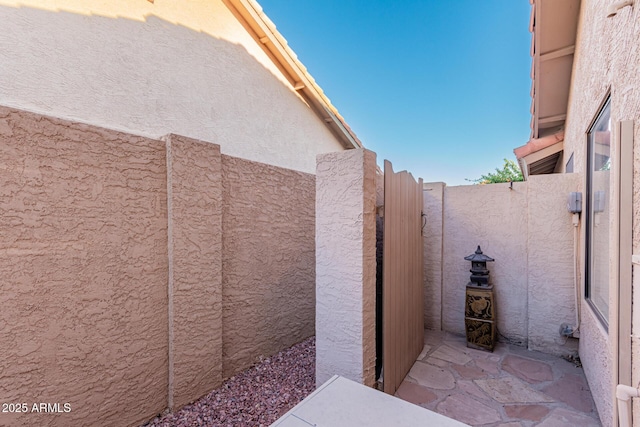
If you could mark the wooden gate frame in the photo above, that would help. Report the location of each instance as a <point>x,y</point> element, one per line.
<point>402,286</point>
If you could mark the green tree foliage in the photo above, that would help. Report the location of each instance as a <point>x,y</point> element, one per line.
<point>510,172</point>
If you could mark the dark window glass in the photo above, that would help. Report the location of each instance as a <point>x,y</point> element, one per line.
<point>598,209</point>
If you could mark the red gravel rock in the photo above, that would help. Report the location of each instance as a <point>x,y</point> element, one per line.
<point>255,397</point>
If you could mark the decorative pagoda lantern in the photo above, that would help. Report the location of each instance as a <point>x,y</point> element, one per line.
<point>479,320</point>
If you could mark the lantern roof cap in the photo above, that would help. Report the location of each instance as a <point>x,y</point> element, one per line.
<point>478,256</point>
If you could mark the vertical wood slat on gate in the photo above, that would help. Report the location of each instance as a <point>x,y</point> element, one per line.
<point>402,285</point>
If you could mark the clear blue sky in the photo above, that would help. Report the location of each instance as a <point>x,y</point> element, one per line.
<point>439,87</point>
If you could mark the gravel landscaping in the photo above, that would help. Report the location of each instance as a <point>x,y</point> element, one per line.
<point>255,397</point>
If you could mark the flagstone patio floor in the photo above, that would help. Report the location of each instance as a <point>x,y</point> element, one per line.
<point>511,387</point>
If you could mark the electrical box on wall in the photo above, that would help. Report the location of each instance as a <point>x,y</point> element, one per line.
<point>574,202</point>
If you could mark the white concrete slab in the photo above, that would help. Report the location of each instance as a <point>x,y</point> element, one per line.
<point>343,403</point>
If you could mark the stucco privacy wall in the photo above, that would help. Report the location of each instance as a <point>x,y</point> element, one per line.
<point>494,217</point>
<point>433,209</point>
<point>83,255</point>
<point>113,268</point>
<point>154,68</point>
<point>346,266</point>
<point>529,232</point>
<point>194,190</point>
<point>268,260</point>
<point>606,58</point>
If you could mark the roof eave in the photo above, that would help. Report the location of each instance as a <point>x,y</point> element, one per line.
<point>554,27</point>
<point>276,47</point>
<point>537,150</point>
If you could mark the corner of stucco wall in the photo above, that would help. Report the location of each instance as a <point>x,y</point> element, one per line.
<point>345,265</point>
<point>552,257</point>
<point>433,208</point>
<point>369,268</point>
<point>194,193</point>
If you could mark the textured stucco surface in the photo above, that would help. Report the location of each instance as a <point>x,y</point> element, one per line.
<point>596,355</point>
<point>83,260</point>
<point>153,68</point>
<point>268,260</point>
<point>606,58</point>
<point>551,286</point>
<point>369,261</point>
<point>345,266</point>
<point>194,190</point>
<point>379,189</point>
<point>113,268</point>
<point>529,233</point>
<point>494,217</point>
<point>433,195</point>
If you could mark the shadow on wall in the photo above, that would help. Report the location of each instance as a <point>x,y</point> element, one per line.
<point>154,77</point>
<point>83,209</point>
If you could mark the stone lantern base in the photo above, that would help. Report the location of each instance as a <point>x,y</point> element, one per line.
<point>480,317</point>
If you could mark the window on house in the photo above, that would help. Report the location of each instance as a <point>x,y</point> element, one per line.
<point>598,210</point>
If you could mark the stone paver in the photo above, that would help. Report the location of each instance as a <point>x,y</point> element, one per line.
<point>470,372</point>
<point>512,390</point>
<point>572,390</point>
<point>439,362</point>
<point>424,351</point>
<point>432,376</point>
<point>470,388</point>
<point>510,387</point>
<point>526,412</point>
<point>527,369</point>
<point>415,393</point>
<point>467,410</point>
<point>563,418</point>
<point>444,352</point>
<point>489,366</point>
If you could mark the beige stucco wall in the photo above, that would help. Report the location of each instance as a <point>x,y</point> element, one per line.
<point>268,261</point>
<point>194,190</point>
<point>529,233</point>
<point>83,260</point>
<point>551,297</point>
<point>606,58</point>
<point>596,355</point>
<point>433,195</point>
<point>112,262</point>
<point>346,266</point>
<point>153,68</point>
<point>494,217</point>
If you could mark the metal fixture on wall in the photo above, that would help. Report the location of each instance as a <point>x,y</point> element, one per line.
<point>480,313</point>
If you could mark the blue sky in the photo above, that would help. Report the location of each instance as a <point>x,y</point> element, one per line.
<point>439,87</point>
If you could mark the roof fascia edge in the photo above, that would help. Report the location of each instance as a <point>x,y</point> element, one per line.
<point>548,146</point>
<point>273,43</point>
<point>544,153</point>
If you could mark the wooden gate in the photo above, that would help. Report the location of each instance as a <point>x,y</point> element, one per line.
<point>402,285</point>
